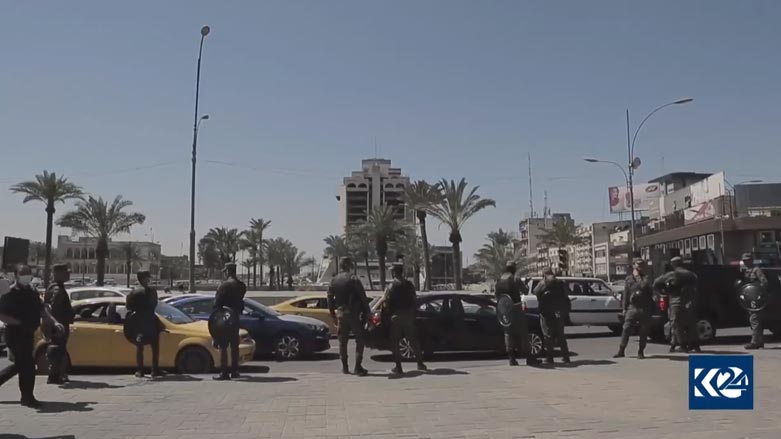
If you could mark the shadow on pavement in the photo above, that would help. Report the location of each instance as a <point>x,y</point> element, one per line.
<point>178,379</point>
<point>20,436</point>
<point>578,363</point>
<point>671,357</point>
<point>74,384</point>
<point>417,373</point>
<point>246,379</point>
<point>592,335</point>
<point>64,406</point>
<point>254,369</point>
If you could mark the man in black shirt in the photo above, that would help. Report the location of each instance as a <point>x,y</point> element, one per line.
<point>349,309</point>
<point>57,299</point>
<point>553,303</point>
<point>516,336</point>
<point>400,302</point>
<point>230,294</point>
<point>21,310</point>
<point>143,300</point>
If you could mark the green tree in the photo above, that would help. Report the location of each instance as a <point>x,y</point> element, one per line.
<point>226,242</point>
<point>562,234</point>
<point>335,248</point>
<point>259,226</point>
<point>494,255</point>
<point>97,219</point>
<point>249,240</point>
<point>421,196</point>
<point>133,259</point>
<point>411,248</point>
<point>360,243</point>
<point>383,228</point>
<point>210,258</point>
<point>276,253</point>
<point>50,190</point>
<point>456,206</point>
<point>292,260</point>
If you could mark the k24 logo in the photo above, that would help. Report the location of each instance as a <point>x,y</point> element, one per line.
<point>721,382</point>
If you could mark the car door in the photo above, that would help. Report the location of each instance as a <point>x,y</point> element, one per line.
<point>436,324</point>
<point>596,303</point>
<point>258,323</point>
<point>90,339</point>
<point>580,303</point>
<point>482,329</point>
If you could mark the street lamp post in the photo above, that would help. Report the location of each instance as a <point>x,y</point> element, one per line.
<point>196,123</point>
<point>634,162</point>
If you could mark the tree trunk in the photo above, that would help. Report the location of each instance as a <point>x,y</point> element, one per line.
<point>416,280</point>
<point>290,281</point>
<point>368,272</point>
<point>129,266</point>
<point>255,272</point>
<point>49,224</point>
<point>381,257</point>
<point>260,262</point>
<point>426,258</point>
<point>271,277</point>
<point>100,252</point>
<point>279,278</point>
<point>457,264</point>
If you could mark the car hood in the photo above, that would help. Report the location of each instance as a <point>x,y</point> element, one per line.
<point>302,320</point>
<point>200,328</point>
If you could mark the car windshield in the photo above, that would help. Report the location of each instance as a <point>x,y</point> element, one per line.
<point>262,308</point>
<point>172,314</point>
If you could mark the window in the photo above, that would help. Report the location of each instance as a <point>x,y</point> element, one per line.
<point>198,307</point>
<point>702,243</point>
<point>314,303</point>
<point>589,288</point>
<point>435,306</point>
<point>712,241</point>
<point>767,237</point>
<point>172,314</point>
<point>474,306</point>
<point>694,244</point>
<point>687,246</point>
<point>69,253</point>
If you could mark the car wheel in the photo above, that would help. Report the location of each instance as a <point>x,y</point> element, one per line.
<point>535,343</point>
<point>288,347</point>
<point>706,331</point>
<point>405,349</point>
<point>194,360</point>
<point>616,328</point>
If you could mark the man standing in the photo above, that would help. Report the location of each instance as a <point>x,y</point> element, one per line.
<point>754,274</point>
<point>680,285</point>
<point>516,335</point>
<point>637,302</point>
<point>21,310</point>
<point>400,302</point>
<point>57,299</point>
<point>143,301</point>
<point>230,294</point>
<point>349,309</point>
<point>553,303</point>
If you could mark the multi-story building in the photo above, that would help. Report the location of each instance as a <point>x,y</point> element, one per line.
<point>531,232</point>
<point>581,256</point>
<point>606,259</point>
<point>81,257</point>
<point>376,184</point>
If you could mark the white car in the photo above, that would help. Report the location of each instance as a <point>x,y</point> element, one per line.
<point>593,302</point>
<point>81,293</point>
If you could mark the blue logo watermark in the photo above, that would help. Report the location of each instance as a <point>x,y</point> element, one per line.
<point>721,382</point>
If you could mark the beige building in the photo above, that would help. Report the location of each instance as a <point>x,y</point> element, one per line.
<point>80,255</point>
<point>376,184</point>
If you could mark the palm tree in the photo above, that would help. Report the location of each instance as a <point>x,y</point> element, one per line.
<point>249,264</point>
<point>383,228</point>
<point>456,206</point>
<point>259,225</point>
<point>293,260</point>
<point>562,234</point>
<point>276,252</point>
<point>335,248</point>
<point>411,249</point>
<point>494,255</point>
<point>421,196</point>
<point>49,189</point>
<point>38,249</point>
<point>210,258</point>
<point>99,220</point>
<point>359,241</point>
<point>226,242</point>
<point>132,257</point>
<point>250,241</point>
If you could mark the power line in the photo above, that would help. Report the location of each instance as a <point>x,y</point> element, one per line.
<point>295,172</point>
<point>105,173</point>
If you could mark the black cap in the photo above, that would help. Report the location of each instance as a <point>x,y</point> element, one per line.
<point>509,264</point>
<point>640,261</point>
<point>345,259</point>
<point>747,257</point>
<point>676,259</point>
<point>60,267</point>
<point>548,271</point>
<point>230,266</point>
<point>398,265</point>
<point>143,273</point>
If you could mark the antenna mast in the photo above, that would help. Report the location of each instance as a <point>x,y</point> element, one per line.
<point>531,193</point>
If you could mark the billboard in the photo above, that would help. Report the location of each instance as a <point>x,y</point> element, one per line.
<point>701,212</point>
<point>646,198</point>
<point>15,251</point>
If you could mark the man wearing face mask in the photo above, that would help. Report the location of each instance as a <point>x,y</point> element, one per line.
<point>57,298</point>
<point>143,300</point>
<point>21,310</point>
<point>230,294</point>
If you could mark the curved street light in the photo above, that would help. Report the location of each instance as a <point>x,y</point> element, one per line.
<point>616,164</point>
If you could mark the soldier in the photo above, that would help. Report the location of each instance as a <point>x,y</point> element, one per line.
<point>143,300</point>
<point>21,310</point>
<point>230,294</point>
<point>349,309</point>
<point>680,286</point>
<point>637,304</point>
<point>516,336</point>
<point>752,273</point>
<point>60,303</point>
<point>400,303</point>
<point>553,303</point>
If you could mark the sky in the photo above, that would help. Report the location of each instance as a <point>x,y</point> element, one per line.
<point>298,92</point>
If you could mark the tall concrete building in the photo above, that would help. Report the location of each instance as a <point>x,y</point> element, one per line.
<point>81,257</point>
<point>531,231</point>
<point>376,184</point>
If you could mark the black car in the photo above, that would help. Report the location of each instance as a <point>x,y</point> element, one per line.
<point>716,303</point>
<point>451,322</point>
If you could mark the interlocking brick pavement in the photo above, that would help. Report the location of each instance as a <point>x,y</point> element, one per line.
<point>594,398</point>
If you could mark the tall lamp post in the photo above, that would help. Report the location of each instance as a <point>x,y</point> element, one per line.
<point>196,123</point>
<point>634,162</point>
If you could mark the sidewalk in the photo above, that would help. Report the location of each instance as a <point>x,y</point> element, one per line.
<point>594,398</point>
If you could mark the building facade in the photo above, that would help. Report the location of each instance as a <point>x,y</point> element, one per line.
<point>531,232</point>
<point>376,184</point>
<point>81,256</point>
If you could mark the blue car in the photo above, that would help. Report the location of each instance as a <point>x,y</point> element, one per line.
<point>288,337</point>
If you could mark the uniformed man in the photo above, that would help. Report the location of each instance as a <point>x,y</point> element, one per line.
<point>230,294</point>
<point>516,336</point>
<point>143,300</point>
<point>637,305</point>
<point>752,273</point>
<point>349,309</point>
<point>57,299</point>
<point>680,285</point>
<point>553,303</point>
<point>400,303</point>
<point>21,310</point>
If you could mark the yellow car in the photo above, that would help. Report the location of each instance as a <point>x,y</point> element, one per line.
<point>314,306</point>
<point>97,340</point>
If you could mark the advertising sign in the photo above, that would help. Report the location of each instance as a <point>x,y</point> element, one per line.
<point>700,212</point>
<point>646,198</point>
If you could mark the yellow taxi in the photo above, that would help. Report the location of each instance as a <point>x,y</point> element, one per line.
<point>314,306</point>
<point>97,339</point>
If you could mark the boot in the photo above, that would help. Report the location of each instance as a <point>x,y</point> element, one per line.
<point>753,346</point>
<point>396,370</point>
<point>513,362</point>
<point>31,402</point>
<point>345,367</point>
<point>422,367</point>
<point>531,361</point>
<point>360,371</point>
<point>140,374</point>
<point>157,373</point>
<point>549,360</point>
<point>672,349</point>
<point>640,355</point>
<point>620,353</point>
<point>222,377</point>
<point>235,374</point>
<point>566,360</point>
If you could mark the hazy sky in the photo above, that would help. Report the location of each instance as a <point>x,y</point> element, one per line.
<point>299,92</point>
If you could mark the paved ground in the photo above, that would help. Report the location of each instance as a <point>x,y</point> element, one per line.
<point>463,396</point>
